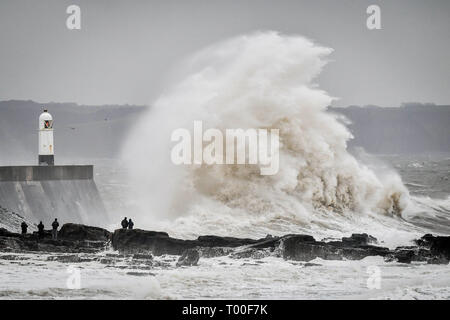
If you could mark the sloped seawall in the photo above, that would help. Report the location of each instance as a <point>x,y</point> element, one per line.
<point>43,193</point>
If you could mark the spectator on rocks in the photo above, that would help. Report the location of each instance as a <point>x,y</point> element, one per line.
<point>124,223</point>
<point>40,229</point>
<point>55,226</point>
<point>24,227</point>
<point>130,224</point>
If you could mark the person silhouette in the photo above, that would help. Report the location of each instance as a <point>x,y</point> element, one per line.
<point>24,227</point>
<point>124,223</point>
<point>55,226</point>
<point>40,229</point>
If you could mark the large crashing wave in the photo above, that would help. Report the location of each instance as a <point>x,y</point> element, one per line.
<point>262,80</point>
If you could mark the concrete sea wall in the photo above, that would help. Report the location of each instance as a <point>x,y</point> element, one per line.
<point>43,193</point>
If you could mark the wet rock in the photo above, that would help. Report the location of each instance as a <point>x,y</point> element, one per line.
<point>306,248</point>
<point>141,241</point>
<point>250,253</point>
<point>141,263</point>
<point>140,274</point>
<point>213,252</point>
<point>159,243</point>
<point>162,264</point>
<point>107,261</point>
<point>141,256</point>
<point>72,231</point>
<point>141,245</point>
<point>31,242</point>
<point>268,242</point>
<point>430,249</point>
<point>404,255</point>
<point>11,257</point>
<point>215,241</point>
<point>438,260</point>
<point>6,233</point>
<point>17,244</point>
<point>309,251</point>
<point>310,264</point>
<point>47,234</point>
<point>69,259</point>
<point>100,245</point>
<point>248,264</point>
<point>189,258</point>
<point>438,245</point>
<point>359,239</point>
<point>358,253</point>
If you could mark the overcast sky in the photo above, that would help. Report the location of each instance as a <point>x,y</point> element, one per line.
<point>125,49</point>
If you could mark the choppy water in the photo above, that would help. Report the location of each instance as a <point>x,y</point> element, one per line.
<point>33,276</point>
<point>261,80</point>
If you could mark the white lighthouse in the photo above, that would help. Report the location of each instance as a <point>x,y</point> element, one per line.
<point>46,146</point>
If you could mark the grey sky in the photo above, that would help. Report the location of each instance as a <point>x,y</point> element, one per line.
<point>125,49</point>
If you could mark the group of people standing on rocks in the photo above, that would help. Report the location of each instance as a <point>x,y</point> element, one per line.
<point>40,226</point>
<point>127,224</point>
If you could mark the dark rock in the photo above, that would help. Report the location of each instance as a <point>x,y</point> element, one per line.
<point>17,244</point>
<point>408,254</point>
<point>140,274</point>
<point>303,248</point>
<point>31,242</point>
<point>6,233</point>
<point>359,239</point>
<point>189,258</point>
<point>310,264</point>
<point>215,241</point>
<point>158,243</point>
<point>141,245</point>
<point>141,241</point>
<point>142,256</point>
<point>107,260</point>
<point>438,260</point>
<point>358,253</point>
<point>12,257</point>
<point>69,259</point>
<point>250,253</point>
<point>438,246</point>
<point>306,248</point>
<point>47,234</point>
<point>307,251</point>
<point>100,245</point>
<point>300,237</point>
<point>212,252</point>
<point>272,242</point>
<point>404,255</point>
<point>72,231</point>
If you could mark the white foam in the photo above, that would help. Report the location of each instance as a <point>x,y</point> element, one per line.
<point>261,80</point>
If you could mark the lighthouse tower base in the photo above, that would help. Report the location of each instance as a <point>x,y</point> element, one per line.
<point>46,160</point>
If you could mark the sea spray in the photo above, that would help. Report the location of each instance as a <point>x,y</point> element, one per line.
<point>262,80</point>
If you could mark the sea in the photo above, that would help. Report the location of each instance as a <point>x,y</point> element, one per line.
<point>324,188</point>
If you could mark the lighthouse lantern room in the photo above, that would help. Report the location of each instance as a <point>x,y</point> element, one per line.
<point>46,146</point>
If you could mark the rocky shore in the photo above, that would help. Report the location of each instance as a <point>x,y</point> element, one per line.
<point>75,238</point>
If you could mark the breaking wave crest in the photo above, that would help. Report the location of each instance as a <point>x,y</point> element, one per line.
<point>261,80</point>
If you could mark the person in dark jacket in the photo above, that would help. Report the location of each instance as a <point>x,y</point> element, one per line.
<point>124,223</point>
<point>55,226</point>
<point>130,224</point>
<point>40,229</point>
<point>24,227</point>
